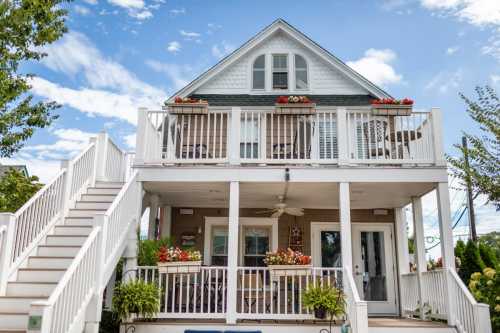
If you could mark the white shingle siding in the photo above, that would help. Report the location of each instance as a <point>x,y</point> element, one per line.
<point>323,79</point>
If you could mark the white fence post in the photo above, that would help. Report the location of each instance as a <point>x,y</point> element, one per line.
<point>482,318</point>
<point>437,135</point>
<point>234,136</point>
<point>418,230</point>
<point>232,262</point>
<point>101,152</point>
<point>342,141</point>
<point>68,183</point>
<point>140,141</point>
<point>6,248</point>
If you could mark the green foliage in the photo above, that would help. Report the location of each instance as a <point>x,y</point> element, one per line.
<point>485,287</point>
<point>411,245</point>
<point>471,261</point>
<point>325,297</point>
<point>492,239</point>
<point>148,249</point>
<point>487,255</point>
<point>136,297</point>
<point>482,172</point>
<point>460,249</point>
<point>25,27</point>
<point>16,189</point>
<point>109,323</point>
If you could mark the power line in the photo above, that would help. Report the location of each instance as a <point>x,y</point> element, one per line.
<point>453,227</point>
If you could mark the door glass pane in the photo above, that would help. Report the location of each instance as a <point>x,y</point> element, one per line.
<point>256,246</point>
<point>330,249</point>
<point>373,261</point>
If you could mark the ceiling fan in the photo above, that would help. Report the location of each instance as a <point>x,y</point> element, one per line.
<point>281,207</point>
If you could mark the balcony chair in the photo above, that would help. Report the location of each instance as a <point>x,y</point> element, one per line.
<point>253,290</point>
<point>375,133</point>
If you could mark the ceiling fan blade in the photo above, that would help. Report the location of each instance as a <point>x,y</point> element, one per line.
<point>267,211</point>
<point>277,213</point>
<point>294,211</point>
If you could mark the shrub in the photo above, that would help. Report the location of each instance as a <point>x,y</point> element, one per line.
<point>136,297</point>
<point>471,261</point>
<point>324,298</point>
<point>488,255</point>
<point>148,249</point>
<point>485,287</point>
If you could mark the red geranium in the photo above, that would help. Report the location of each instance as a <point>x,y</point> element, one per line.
<point>392,101</point>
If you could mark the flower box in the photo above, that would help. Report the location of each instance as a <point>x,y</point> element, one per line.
<point>391,109</point>
<point>295,108</point>
<point>289,270</point>
<point>188,108</point>
<point>176,267</point>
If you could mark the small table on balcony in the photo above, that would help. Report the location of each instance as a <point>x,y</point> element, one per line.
<point>404,137</point>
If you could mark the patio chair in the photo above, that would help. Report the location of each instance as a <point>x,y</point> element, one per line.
<point>253,290</point>
<point>375,132</point>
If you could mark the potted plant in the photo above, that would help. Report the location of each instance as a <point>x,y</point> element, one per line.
<point>136,297</point>
<point>288,263</point>
<point>175,260</point>
<point>392,107</point>
<point>187,105</point>
<point>294,105</point>
<point>324,300</point>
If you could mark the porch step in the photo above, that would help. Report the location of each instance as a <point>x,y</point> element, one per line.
<point>49,262</point>
<point>65,239</point>
<point>40,274</point>
<point>73,230</point>
<point>14,321</point>
<point>17,304</point>
<point>103,190</point>
<point>79,220</point>
<point>109,184</point>
<point>92,205</point>
<point>85,212</point>
<point>58,250</point>
<point>98,197</point>
<point>32,289</point>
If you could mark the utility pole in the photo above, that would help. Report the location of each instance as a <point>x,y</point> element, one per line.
<point>470,201</point>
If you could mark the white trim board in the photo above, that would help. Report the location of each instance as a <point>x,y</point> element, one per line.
<point>211,222</point>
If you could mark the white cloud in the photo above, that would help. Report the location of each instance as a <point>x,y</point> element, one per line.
<point>141,15</point>
<point>495,78</point>
<point>375,66</point>
<point>69,141</point>
<point>190,35</point>
<point>44,169</point>
<point>220,51</point>
<point>128,4</point>
<point>180,75</point>
<point>130,140</point>
<point>178,11</point>
<point>82,10</point>
<point>174,47</point>
<point>112,90</point>
<point>476,12</point>
<point>90,2</point>
<point>452,50</point>
<point>443,82</point>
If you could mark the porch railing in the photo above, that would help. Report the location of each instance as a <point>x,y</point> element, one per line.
<point>444,296</point>
<point>261,136</point>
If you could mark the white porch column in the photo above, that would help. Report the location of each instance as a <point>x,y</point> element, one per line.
<point>166,227</point>
<point>154,202</point>
<point>234,136</point>
<point>447,249</point>
<point>437,134</point>
<point>418,230</point>
<point>345,225</point>
<point>232,258</point>
<point>7,246</point>
<point>402,241</point>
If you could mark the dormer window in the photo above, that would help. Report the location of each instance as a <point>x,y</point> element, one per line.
<point>280,71</point>
<point>259,73</point>
<point>301,79</point>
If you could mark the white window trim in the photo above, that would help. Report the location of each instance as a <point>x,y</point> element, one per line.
<point>266,61</point>
<point>211,222</point>
<point>295,73</point>
<point>288,65</point>
<point>316,228</point>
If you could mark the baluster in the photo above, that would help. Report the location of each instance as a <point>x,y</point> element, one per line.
<point>221,129</point>
<point>214,139</point>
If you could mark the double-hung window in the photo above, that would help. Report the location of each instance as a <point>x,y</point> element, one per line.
<point>259,73</point>
<point>256,245</point>
<point>301,79</point>
<point>219,246</point>
<point>280,71</point>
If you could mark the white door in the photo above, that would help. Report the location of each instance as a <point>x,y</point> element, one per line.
<point>373,261</point>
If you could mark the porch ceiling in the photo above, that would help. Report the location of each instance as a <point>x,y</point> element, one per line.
<point>303,195</point>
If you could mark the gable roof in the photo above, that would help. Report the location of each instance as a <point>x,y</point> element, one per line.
<point>281,25</point>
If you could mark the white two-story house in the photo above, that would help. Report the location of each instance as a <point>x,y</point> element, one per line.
<point>236,177</point>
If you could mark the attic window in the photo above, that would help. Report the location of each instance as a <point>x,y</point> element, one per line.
<point>300,72</point>
<point>280,71</point>
<point>259,73</point>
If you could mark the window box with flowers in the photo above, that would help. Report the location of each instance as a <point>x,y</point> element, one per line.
<point>187,105</point>
<point>173,260</point>
<point>294,105</point>
<point>392,107</point>
<point>288,263</point>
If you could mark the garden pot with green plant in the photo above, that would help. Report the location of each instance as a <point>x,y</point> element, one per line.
<point>324,300</point>
<point>136,297</point>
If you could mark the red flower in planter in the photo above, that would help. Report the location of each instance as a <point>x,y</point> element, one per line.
<point>163,255</point>
<point>392,101</point>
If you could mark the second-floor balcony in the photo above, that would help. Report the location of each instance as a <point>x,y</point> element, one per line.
<point>260,136</point>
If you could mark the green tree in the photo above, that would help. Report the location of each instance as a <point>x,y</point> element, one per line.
<point>492,239</point>
<point>488,255</point>
<point>471,262</point>
<point>25,27</point>
<point>16,189</point>
<point>483,172</point>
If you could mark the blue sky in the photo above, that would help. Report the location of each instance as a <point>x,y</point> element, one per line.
<point>122,54</point>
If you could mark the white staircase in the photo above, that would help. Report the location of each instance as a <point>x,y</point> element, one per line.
<point>59,250</point>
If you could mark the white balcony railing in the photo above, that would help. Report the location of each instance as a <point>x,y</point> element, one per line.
<point>262,136</point>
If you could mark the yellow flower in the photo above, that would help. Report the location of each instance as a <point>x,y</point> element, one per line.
<point>475,276</point>
<point>497,308</point>
<point>473,284</point>
<point>489,272</point>
<point>489,283</point>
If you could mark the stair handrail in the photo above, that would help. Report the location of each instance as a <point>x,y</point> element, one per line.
<point>356,309</point>
<point>468,315</point>
<point>73,292</point>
